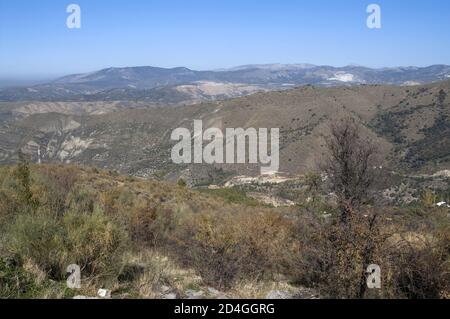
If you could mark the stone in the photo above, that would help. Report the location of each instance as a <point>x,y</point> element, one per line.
<point>104,293</point>
<point>83,297</point>
<point>164,289</point>
<point>277,294</point>
<point>306,293</point>
<point>171,295</point>
<point>213,291</point>
<point>193,294</point>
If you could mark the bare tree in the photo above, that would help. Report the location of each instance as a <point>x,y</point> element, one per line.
<point>354,239</point>
<point>349,165</point>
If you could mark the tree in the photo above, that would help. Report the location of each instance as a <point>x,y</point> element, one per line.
<point>349,166</point>
<point>313,181</point>
<point>355,238</point>
<point>22,173</point>
<point>181,182</point>
<point>428,198</point>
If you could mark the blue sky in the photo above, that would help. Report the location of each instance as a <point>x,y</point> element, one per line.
<point>210,34</point>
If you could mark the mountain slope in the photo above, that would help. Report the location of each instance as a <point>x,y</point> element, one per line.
<point>411,125</point>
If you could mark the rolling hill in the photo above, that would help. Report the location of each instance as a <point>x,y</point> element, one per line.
<point>411,124</point>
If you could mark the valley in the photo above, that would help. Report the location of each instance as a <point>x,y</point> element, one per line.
<point>409,123</point>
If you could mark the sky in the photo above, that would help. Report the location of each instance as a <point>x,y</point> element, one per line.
<point>211,34</point>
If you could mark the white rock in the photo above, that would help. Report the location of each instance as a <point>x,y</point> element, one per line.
<point>84,297</point>
<point>213,291</point>
<point>170,296</point>
<point>193,294</point>
<point>164,289</point>
<point>104,293</point>
<point>277,294</point>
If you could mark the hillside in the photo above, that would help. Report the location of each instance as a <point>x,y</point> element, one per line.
<point>410,124</point>
<point>148,239</point>
<point>122,232</point>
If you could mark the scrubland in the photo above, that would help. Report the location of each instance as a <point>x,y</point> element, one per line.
<point>148,239</point>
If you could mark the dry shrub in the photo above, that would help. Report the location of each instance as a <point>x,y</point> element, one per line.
<point>15,191</point>
<point>227,247</point>
<point>8,206</point>
<point>147,221</point>
<point>117,200</point>
<point>82,200</point>
<point>356,245</point>
<point>150,225</point>
<point>420,269</point>
<point>56,184</point>
<point>333,257</point>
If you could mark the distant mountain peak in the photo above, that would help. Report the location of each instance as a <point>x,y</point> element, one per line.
<point>140,82</point>
<point>273,67</point>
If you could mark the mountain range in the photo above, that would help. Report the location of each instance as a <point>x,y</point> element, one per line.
<point>176,86</point>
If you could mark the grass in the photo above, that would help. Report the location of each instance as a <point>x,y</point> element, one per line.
<point>233,196</point>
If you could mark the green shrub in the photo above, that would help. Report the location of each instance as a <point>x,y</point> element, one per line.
<point>181,183</point>
<point>91,241</point>
<point>82,200</point>
<point>8,207</point>
<point>233,196</point>
<point>41,239</point>
<point>94,243</point>
<point>23,176</point>
<point>14,281</point>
